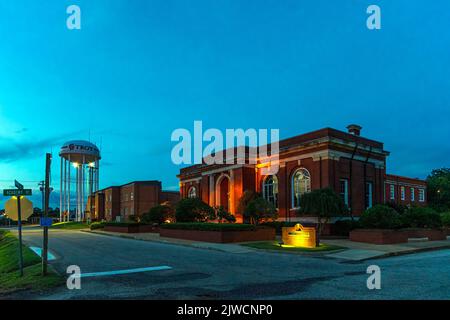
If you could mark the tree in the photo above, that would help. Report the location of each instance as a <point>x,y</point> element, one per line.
<point>324,204</point>
<point>246,197</point>
<point>193,210</point>
<point>260,210</point>
<point>439,189</point>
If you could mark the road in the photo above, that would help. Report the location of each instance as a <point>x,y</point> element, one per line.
<point>209,274</point>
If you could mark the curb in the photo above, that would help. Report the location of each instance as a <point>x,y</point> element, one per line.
<point>164,242</point>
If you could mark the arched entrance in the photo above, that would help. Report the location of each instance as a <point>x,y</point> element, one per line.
<point>223,192</point>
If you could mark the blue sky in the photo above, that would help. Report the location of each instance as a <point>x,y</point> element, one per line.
<point>137,70</point>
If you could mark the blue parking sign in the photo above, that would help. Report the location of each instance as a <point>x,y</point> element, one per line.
<point>46,222</point>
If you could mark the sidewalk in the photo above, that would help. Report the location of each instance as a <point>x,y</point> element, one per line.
<point>360,251</point>
<point>154,237</point>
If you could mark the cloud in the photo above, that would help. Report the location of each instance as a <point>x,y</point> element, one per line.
<point>12,149</point>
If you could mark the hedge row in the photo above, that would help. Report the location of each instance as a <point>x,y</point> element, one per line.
<point>205,226</point>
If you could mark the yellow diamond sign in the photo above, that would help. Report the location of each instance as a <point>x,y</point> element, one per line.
<point>26,208</point>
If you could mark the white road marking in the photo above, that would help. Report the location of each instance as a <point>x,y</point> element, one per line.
<point>119,272</point>
<point>38,251</point>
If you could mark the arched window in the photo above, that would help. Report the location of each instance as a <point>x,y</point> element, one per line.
<point>301,183</point>
<point>192,193</point>
<point>270,190</point>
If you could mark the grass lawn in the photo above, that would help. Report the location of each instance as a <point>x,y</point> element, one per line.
<point>70,225</point>
<point>10,281</point>
<point>274,245</point>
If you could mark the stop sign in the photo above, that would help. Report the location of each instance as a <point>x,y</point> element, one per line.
<point>26,208</point>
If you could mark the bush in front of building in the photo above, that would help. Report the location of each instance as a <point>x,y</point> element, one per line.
<point>134,218</point>
<point>193,210</point>
<point>259,210</point>
<point>97,225</point>
<point>422,217</point>
<point>400,208</point>
<point>380,217</point>
<point>223,215</point>
<point>208,226</point>
<point>445,217</point>
<point>278,225</point>
<point>159,214</point>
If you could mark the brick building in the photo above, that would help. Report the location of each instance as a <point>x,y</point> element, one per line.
<point>117,203</point>
<point>354,166</point>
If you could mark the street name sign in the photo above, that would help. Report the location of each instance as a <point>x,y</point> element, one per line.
<point>17,192</point>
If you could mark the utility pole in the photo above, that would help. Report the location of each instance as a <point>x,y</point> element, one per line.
<point>42,189</point>
<point>48,161</point>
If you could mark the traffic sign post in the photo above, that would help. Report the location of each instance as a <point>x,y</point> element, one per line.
<point>19,227</point>
<point>11,211</point>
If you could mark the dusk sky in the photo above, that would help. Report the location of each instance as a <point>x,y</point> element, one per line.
<point>137,70</point>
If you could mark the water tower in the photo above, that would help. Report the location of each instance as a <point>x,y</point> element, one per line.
<point>84,158</point>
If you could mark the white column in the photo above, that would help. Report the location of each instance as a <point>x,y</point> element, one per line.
<point>211,190</point>
<point>68,186</point>
<point>231,192</point>
<point>60,189</point>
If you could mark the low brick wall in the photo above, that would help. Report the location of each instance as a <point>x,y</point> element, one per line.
<point>260,234</point>
<point>379,236</point>
<point>431,234</point>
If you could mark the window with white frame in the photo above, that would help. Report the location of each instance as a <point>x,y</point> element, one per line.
<point>270,190</point>
<point>403,193</point>
<point>421,195</point>
<point>413,196</point>
<point>392,192</point>
<point>344,190</point>
<point>192,193</point>
<point>131,196</point>
<point>301,183</point>
<point>369,195</point>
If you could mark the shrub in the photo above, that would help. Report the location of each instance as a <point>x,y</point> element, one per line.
<point>343,227</point>
<point>193,210</point>
<point>97,225</point>
<point>122,224</point>
<point>206,226</point>
<point>260,210</point>
<point>380,217</point>
<point>158,214</point>
<point>278,225</point>
<point>400,208</point>
<point>445,217</point>
<point>421,217</point>
<point>222,214</point>
<point>133,218</point>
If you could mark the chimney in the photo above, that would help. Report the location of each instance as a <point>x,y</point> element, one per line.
<point>354,129</point>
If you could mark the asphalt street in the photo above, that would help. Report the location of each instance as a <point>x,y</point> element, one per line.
<point>210,274</point>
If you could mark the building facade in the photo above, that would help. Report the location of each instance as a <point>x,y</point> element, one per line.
<point>353,166</point>
<point>118,203</point>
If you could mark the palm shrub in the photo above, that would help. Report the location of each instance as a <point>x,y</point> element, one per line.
<point>323,204</point>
